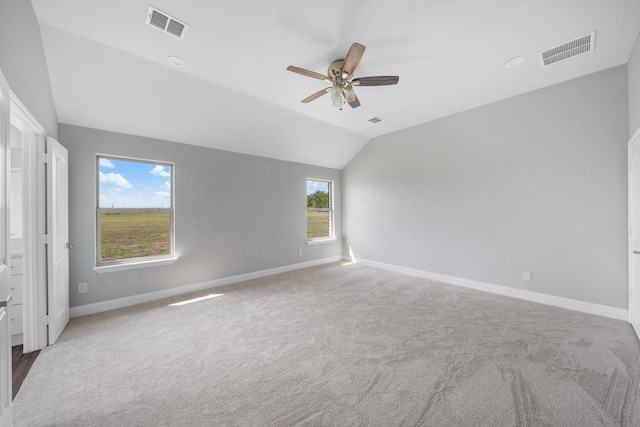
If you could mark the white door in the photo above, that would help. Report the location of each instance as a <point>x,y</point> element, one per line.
<point>5,297</point>
<point>634,232</point>
<point>58,239</point>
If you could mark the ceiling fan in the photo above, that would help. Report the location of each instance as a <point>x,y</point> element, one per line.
<point>340,75</point>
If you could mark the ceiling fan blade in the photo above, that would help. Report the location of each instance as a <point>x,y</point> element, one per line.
<point>352,59</point>
<point>375,81</point>
<point>355,103</point>
<point>316,95</point>
<point>308,73</point>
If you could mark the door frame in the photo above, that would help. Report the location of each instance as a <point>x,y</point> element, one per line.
<point>34,226</point>
<point>6,408</point>
<point>634,285</point>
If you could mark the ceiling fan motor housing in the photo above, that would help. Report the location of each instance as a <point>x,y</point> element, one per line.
<point>335,70</point>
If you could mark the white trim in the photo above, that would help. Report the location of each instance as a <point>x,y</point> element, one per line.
<point>133,265</point>
<point>99,307</point>
<point>31,120</point>
<point>6,417</point>
<point>567,303</point>
<point>321,241</point>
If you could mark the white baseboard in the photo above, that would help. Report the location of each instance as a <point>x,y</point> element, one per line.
<point>83,310</point>
<point>570,304</point>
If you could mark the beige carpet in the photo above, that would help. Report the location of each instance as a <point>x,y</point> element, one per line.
<point>337,345</point>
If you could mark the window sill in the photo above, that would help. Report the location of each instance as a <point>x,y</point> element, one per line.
<point>321,241</point>
<point>134,265</point>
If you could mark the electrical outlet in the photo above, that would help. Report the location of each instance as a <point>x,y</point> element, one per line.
<point>82,287</point>
<point>526,275</point>
<point>299,252</point>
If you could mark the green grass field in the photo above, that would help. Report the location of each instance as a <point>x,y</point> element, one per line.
<point>317,224</point>
<point>133,235</point>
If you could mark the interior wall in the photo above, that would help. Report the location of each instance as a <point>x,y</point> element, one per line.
<point>23,62</point>
<point>537,182</point>
<point>234,214</point>
<point>634,89</point>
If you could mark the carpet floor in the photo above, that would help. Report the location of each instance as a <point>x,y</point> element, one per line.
<point>336,345</point>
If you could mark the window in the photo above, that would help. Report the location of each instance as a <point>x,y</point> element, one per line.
<point>134,215</point>
<point>319,209</point>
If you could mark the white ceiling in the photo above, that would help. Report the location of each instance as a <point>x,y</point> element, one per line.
<point>109,71</point>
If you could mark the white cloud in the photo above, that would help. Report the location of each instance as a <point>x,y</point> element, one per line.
<point>107,163</point>
<point>114,179</point>
<point>159,171</point>
<point>163,194</point>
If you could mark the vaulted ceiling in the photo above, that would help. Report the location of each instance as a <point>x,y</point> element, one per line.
<point>109,69</point>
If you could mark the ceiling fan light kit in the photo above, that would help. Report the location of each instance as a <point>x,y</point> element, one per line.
<point>336,96</point>
<point>340,75</point>
<point>349,94</point>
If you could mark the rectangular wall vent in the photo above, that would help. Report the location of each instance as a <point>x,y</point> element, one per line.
<point>166,23</point>
<point>564,51</point>
<point>375,120</point>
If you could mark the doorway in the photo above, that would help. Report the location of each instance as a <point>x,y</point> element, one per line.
<point>27,221</point>
<point>16,280</point>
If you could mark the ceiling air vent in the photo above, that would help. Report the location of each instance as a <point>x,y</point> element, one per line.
<point>575,47</point>
<point>375,120</point>
<point>166,23</point>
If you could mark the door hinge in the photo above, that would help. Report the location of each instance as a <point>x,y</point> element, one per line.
<point>44,157</point>
<point>45,239</point>
<point>46,320</point>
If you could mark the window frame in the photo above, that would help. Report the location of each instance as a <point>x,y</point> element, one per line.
<point>145,261</point>
<point>332,233</point>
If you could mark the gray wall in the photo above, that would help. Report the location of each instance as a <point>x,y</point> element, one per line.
<point>235,214</point>
<point>634,89</point>
<point>23,62</point>
<point>536,182</point>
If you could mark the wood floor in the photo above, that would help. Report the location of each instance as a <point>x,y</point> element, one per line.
<point>21,365</point>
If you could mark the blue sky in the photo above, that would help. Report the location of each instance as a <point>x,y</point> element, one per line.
<point>131,184</point>
<point>313,186</point>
